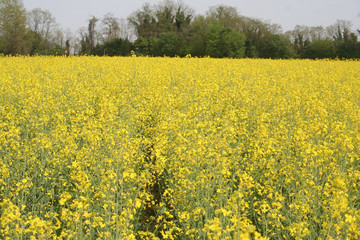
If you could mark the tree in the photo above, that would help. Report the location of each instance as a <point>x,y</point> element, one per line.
<point>299,37</point>
<point>321,48</point>
<point>183,18</point>
<point>233,43</point>
<point>114,47</point>
<point>276,46</point>
<point>163,29</point>
<point>165,17</point>
<point>256,32</point>
<point>70,41</point>
<point>227,16</point>
<point>88,38</point>
<point>346,43</point>
<point>92,32</point>
<point>13,35</point>
<point>218,33</point>
<point>143,21</point>
<point>168,16</point>
<point>340,30</point>
<point>317,33</point>
<point>46,36</point>
<point>43,24</point>
<point>110,27</point>
<point>173,17</point>
<point>199,29</point>
<point>224,42</point>
<point>171,44</point>
<point>141,46</point>
<point>349,47</point>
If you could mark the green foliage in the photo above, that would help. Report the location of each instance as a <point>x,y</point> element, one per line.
<point>233,43</point>
<point>114,47</point>
<point>87,42</point>
<point>171,43</point>
<point>141,46</point>
<point>276,46</point>
<point>250,49</point>
<point>40,46</point>
<point>319,49</point>
<point>224,42</point>
<point>348,46</point>
<point>56,51</point>
<point>154,46</point>
<point>12,27</point>
<point>198,36</point>
<point>143,21</point>
<point>168,44</point>
<point>171,28</point>
<point>153,20</point>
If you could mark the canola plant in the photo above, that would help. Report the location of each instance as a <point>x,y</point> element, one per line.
<point>179,148</point>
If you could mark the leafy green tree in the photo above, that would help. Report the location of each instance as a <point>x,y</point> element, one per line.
<point>114,47</point>
<point>233,43</point>
<point>346,43</point>
<point>251,50</point>
<point>141,46</point>
<point>213,41</point>
<point>155,46</point>
<point>148,47</point>
<point>276,46</point>
<point>348,47</point>
<point>13,34</point>
<point>227,16</point>
<point>144,22</point>
<point>183,18</point>
<point>255,30</point>
<point>171,44</point>
<point>199,29</point>
<point>167,16</point>
<point>205,31</point>
<point>320,49</point>
<point>224,42</point>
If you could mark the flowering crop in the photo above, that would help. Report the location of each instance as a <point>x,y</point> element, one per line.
<point>170,148</point>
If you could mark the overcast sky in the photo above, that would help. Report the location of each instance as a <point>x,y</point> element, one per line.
<point>73,14</point>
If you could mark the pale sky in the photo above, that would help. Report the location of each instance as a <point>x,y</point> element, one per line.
<point>73,14</point>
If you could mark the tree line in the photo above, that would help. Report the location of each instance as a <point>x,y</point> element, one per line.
<point>173,29</point>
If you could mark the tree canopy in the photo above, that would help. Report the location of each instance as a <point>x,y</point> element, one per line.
<point>173,29</point>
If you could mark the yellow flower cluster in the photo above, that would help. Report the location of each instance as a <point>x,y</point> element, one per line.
<point>170,148</point>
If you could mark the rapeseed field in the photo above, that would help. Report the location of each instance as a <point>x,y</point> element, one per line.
<point>179,148</point>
